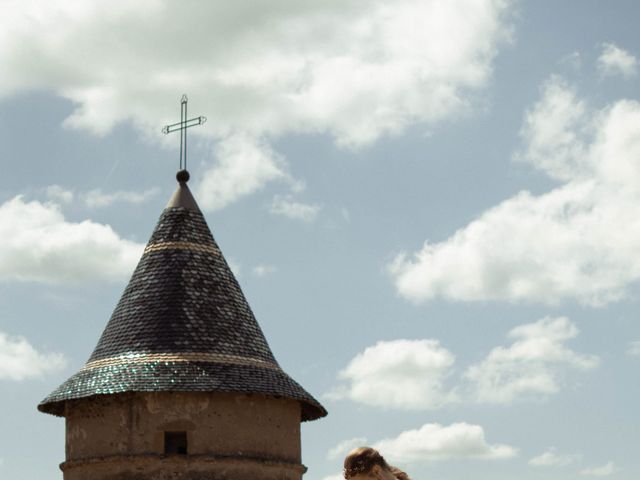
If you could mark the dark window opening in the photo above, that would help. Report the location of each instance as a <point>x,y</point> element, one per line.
<point>175,443</point>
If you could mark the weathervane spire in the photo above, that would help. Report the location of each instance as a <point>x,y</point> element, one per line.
<point>182,126</point>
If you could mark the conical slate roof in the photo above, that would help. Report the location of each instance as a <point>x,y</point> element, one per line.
<point>182,324</point>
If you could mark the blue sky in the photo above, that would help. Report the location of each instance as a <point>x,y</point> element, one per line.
<point>432,208</point>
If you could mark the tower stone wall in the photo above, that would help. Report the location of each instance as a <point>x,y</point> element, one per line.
<point>228,436</point>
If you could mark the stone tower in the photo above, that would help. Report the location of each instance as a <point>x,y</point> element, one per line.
<point>182,384</point>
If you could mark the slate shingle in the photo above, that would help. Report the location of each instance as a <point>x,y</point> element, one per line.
<point>182,324</point>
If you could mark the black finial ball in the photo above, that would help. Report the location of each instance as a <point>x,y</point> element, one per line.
<point>182,176</point>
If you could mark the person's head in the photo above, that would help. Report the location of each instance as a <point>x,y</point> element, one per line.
<point>367,462</point>
<point>399,474</point>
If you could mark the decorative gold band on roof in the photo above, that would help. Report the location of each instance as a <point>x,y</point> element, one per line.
<point>195,247</point>
<point>142,358</point>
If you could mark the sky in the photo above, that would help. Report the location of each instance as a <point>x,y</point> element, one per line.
<point>433,208</point>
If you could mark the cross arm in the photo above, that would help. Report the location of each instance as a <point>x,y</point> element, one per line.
<point>192,122</point>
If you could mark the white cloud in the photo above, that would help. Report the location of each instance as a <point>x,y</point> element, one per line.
<point>41,246</point>
<point>353,69</point>
<point>97,198</point>
<point>615,61</point>
<point>405,374</point>
<point>412,374</point>
<point>262,270</point>
<point>289,208</point>
<point>533,364</point>
<point>552,459</point>
<point>434,442</point>
<point>59,194</point>
<point>579,241</point>
<point>244,165</point>
<point>337,476</point>
<point>20,361</point>
<point>345,446</point>
<point>603,471</point>
<point>634,348</point>
<point>553,131</point>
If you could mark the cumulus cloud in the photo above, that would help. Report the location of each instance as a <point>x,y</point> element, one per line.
<point>615,61</point>
<point>352,69</point>
<point>414,374</point>
<point>580,241</point>
<point>337,476</point>
<point>552,459</point>
<point>434,442</point>
<point>553,131</point>
<point>41,246</point>
<point>244,165</point>
<point>532,365</point>
<point>98,199</point>
<point>405,374</point>
<point>290,208</point>
<point>19,360</point>
<point>345,446</point>
<point>603,471</point>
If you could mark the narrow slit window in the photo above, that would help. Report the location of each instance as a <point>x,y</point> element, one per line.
<point>175,443</point>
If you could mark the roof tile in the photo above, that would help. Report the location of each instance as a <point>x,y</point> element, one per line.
<point>182,324</point>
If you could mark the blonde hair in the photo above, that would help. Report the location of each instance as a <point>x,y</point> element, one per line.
<point>362,460</point>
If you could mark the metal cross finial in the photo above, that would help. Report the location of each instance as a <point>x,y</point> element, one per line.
<point>182,126</point>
